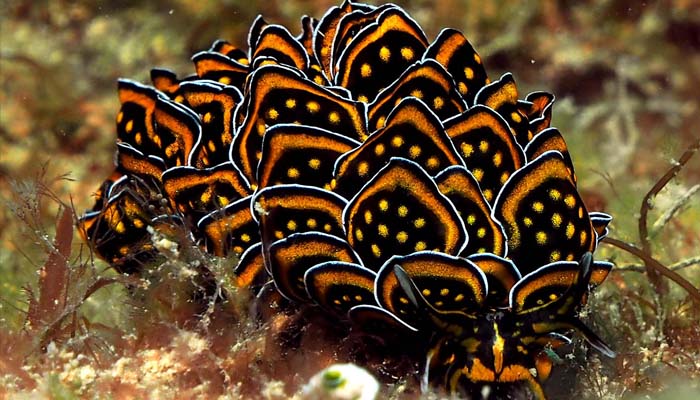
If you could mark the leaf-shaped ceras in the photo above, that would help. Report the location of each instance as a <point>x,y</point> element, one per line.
<point>279,95</point>
<point>487,146</point>
<point>400,211</point>
<point>543,214</point>
<point>412,132</point>
<point>378,54</point>
<point>154,125</point>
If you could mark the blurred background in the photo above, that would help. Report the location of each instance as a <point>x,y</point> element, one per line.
<point>625,75</point>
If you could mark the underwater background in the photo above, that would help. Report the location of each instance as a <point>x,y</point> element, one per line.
<point>625,78</point>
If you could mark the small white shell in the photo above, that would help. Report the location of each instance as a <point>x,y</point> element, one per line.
<point>341,382</point>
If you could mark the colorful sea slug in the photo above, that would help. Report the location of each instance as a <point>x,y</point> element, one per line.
<point>381,176</point>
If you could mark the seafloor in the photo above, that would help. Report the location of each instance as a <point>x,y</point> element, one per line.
<point>626,79</point>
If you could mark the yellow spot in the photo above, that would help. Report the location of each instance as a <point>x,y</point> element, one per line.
<point>314,163</point>
<point>537,206</point>
<point>402,237</point>
<point>488,194</point>
<point>363,168</point>
<point>414,151</point>
<point>381,121</point>
<point>467,149</point>
<point>245,238</point>
<point>120,117</point>
<point>407,53</point>
<point>570,200</point>
<point>481,233</point>
<point>327,227</point>
<point>438,102</point>
<point>272,114</point>
<point>333,117</point>
<point>222,200</point>
<point>556,220</point>
<point>375,250</point>
<point>368,217</point>
<point>515,116</point>
<point>358,297</point>
<point>583,236</point>
<point>432,163</point>
<point>179,99</point>
<point>205,197</point>
<point>478,174</point>
<point>541,237</point>
<point>397,141</point>
<point>379,149</point>
<point>318,80</point>
<point>311,223</point>
<point>238,249</point>
<point>497,159</point>
<point>403,300</point>
<point>444,292</point>
<point>555,256</point>
<point>417,93</point>
<point>346,298</point>
<point>570,230</point>
<point>471,219</point>
<point>439,303</point>
<point>313,106</point>
<point>336,301</point>
<point>290,103</point>
<point>359,235</point>
<point>129,126</point>
<point>426,292</point>
<point>504,177</point>
<point>383,230</point>
<point>468,73</point>
<point>462,87</point>
<point>261,129</point>
<point>554,194</point>
<point>419,223</point>
<point>384,54</point>
<point>365,71</point>
<point>362,98</point>
<point>383,204</point>
<point>225,80</point>
<point>459,297</point>
<point>477,59</point>
<point>483,146</point>
<point>420,246</point>
<point>293,173</point>
<point>580,212</point>
<point>138,138</point>
<point>403,211</point>
<point>206,118</point>
<point>138,223</point>
<point>279,234</point>
<point>292,225</point>
<point>211,145</point>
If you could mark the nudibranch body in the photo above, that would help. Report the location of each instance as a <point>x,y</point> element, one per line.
<point>363,168</point>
